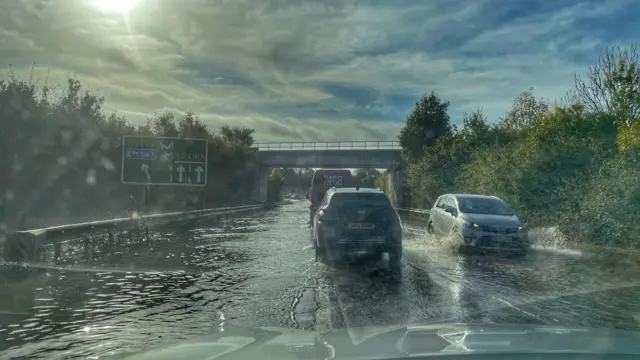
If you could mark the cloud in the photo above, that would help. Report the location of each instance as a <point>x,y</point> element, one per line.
<point>313,70</point>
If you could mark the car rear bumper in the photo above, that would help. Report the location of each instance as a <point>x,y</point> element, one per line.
<point>361,242</point>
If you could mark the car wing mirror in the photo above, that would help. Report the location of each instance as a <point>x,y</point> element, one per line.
<point>451,210</point>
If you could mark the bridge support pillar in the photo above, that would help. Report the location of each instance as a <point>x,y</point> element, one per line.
<point>396,179</point>
<point>261,183</point>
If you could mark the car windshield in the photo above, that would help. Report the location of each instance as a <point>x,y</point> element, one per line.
<point>483,205</point>
<point>172,169</point>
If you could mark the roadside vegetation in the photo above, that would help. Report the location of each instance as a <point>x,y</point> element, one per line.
<point>60,157</point>
<point>574,163</point>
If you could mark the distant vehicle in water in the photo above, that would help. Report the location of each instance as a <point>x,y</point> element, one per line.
<point>293,196</point>
<point>479,222</point>
<point>323,180</point>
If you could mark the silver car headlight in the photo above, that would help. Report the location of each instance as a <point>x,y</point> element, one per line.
<point>522,227</point>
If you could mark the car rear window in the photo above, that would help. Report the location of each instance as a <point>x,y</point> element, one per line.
<point>360,199</point>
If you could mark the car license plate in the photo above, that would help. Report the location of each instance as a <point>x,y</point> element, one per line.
<point>361,226</point>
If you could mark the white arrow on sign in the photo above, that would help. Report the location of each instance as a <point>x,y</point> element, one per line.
<point>180,170</point>
<point>145,169</point>
<point>199,171</point>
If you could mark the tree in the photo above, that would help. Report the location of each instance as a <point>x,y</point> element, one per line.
<point>427,122</point>
<point>243,135</point>
<point>367,177</point>
<point>381,181</point>
<point>275,182</point>
<point>163,124</point>
<point>60,154</point>
<point>191,126</point>
<point>525,112</point>
<point>612,84</point>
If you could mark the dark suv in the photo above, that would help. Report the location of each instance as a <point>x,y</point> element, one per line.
<point>356,220</point>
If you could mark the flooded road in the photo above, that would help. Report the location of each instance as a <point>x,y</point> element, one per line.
<point>260,271</point>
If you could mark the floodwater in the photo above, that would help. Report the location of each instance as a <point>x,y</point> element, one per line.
<point>259,270</point>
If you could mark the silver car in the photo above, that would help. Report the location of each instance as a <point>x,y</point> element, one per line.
<point>479,221</point>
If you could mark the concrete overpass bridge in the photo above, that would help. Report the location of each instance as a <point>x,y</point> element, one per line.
<point>342,154</point>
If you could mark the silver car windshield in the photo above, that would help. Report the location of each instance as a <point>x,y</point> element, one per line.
<point>488,206</point>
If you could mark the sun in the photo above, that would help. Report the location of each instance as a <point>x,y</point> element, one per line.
<point>117,6</point>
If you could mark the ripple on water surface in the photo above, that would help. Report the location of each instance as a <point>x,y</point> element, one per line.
<point>51,302</point>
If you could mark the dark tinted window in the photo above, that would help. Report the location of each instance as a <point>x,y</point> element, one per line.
<point>478,205</point>
<point>359,199</point>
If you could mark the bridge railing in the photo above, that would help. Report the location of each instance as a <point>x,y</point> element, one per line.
<point>331,145</point>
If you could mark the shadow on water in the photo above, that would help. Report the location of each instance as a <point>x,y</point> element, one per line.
<point>367,292</point>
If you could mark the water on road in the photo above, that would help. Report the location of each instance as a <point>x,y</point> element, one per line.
<point>260,271</point>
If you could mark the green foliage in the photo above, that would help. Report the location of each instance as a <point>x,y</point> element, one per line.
<point>367,177</point>
<point>525,113</point>
<point>576,166</point>
<point>382,180</point>
<point>427,122</point>
<point>610,206</point>
<point>297,179</point>
<point>60,156</point>
<point>275,183</point>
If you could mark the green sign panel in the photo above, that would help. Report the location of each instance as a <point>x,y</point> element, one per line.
<point>150,160</point>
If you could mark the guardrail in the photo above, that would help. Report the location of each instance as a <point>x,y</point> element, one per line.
<point>415,211</point>
<point>28,244</point>
<point>331,145</point>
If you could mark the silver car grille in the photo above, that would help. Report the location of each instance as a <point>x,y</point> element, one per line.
<point>498,230</point>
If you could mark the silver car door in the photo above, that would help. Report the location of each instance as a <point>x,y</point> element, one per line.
<point>448,218</point>
<point>438,216</point>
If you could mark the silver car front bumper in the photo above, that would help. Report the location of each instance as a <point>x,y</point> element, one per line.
<point>478,238</point>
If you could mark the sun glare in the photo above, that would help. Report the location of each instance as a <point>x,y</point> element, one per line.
<point>118,6</point>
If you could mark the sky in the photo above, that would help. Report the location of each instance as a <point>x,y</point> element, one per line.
<point>311,70</point>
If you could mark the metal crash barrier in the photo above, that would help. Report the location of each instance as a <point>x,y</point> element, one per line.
<point>414,214</point>
<point>28,245</point>
<point>414,211</point>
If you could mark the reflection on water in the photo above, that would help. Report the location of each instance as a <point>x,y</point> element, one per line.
<point>542,288</point>
<point>73,301</point>
<point>46,301</point>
